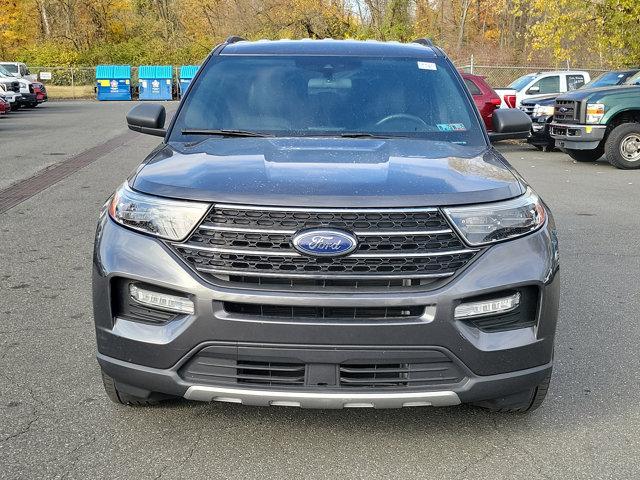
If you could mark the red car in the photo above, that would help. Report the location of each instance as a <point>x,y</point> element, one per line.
<point>5,107</point>
<point>40,91</point>
<point>485,97</point>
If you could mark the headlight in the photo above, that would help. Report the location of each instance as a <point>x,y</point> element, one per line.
<point>543,111</point>
<point>170,219</point>
<point>595,112</point>
<point>494,222</point>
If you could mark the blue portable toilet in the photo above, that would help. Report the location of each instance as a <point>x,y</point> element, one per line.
<point>155,82</point>
<point>113,82</point>
<point>187,72</point>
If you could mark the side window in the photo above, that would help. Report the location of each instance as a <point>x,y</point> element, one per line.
<point>545,85</point>
<point>473,88</point>
<point>23,70</point>
<point>574,82</point>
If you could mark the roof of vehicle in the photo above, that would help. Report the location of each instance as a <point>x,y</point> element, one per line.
<point>113,72</point>
<point>149,72</point>
<point>329,47</point>
<point>558,72</point>
<point>11,63</point>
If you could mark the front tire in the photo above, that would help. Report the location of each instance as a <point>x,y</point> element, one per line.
<point>585,155</point>
<point>622,148</point>
<point>521,402</point>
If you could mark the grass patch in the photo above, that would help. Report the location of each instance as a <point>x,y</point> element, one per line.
<point>79,91</point>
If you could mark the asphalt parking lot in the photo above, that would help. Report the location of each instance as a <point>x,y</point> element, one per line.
<point>56,421</point>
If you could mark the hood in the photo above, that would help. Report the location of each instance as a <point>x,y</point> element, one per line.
<point>328,172</point>
<point>588,93</point>
<point>541,100</point>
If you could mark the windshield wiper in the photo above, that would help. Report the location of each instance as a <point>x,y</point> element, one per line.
<point>368,135</point>
<point>223,132</point>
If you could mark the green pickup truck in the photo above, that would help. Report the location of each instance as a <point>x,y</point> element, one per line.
<point>601,121</point>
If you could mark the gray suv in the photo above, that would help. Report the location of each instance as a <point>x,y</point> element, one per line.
<point>325,224</point>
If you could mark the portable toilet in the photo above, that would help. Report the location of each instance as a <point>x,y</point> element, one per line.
<point>155,82</point>
<point>113,82</point>
<point>187,72</point>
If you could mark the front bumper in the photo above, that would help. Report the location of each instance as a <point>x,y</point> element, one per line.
<point>540,132</point>
<point>577,137</point>
<point>27,98</point>
<point>145,358</point>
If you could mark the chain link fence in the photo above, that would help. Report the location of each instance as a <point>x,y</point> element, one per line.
<point>79,82</point>
<point>499,76</point>
<point>75,82</point>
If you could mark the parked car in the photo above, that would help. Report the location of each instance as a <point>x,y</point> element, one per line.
<point>5,107</point>
<point>543,83</point>
<point>603,121</point>
<point>40,91</point>
<point>19,70</point>
<point>484,97</point>
<point>10,91</point>
<point>28,97</point>
<point>333,230</point>
<point>541,108</point>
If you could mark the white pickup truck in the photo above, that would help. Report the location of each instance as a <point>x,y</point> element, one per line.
<point>539,84</point>
<point>10,92</point>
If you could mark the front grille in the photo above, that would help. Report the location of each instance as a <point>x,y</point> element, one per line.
<point>323,313</point>
<point>528,109</point>
<point>566,111</point>
<point>15,86</point>
<point>356,369</point>
<point>235,243</point>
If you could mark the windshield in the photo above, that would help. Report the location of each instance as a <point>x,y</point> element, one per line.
<point>4,72</point>
<point>9,68</point>
<point>522,82</point>
<point>328,96</point>
<point>609,78</point>
<point>633,79</point>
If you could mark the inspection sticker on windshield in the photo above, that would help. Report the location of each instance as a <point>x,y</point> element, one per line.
<point>451,127</point>
<point>427,66</point>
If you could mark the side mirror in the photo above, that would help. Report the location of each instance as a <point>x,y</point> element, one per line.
<point>510,123</point>
<point>533,90</point>
<point>147,118</point>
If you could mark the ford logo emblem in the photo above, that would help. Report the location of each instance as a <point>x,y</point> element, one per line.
<point>563,109</point>
<point>325,243</point>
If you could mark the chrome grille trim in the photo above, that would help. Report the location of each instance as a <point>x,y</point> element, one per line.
<point>361,233</point>
<point>337,276</point>
<point>324,210</point>
<point>276,253</point>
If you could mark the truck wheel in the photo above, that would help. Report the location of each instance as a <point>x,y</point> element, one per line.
<point>585,155</point>
<point>116,396</point>
<point>622,148</point>
<point>522,402</point>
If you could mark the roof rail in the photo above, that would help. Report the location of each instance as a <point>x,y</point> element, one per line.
<point>234,39</point>
<point>423,41</point>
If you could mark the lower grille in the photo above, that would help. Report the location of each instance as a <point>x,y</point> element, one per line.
<point>356,370</point>
<point>443,371</point>
<point>205,370</point>
<point>324,313</point>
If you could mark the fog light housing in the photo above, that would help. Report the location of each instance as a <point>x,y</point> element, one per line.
<point>482,308</point>
<point>162,301</point>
